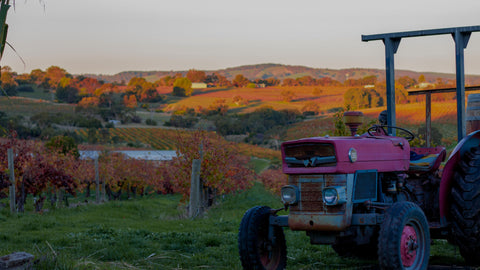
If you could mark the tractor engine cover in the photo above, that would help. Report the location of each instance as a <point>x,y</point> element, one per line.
<point>320,155</point>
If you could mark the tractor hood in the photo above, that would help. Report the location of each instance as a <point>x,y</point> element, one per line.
<point>345,154</point>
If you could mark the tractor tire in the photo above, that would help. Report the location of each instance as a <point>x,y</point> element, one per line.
<point>256,250</point>
<point>404,238</point>
<point>465,206</point>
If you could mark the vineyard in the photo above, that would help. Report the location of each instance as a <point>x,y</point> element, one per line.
<point>156,138</point>
<point>42,170</point>
<point>165,139</point>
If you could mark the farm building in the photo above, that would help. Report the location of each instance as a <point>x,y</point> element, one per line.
<point>197,85</point>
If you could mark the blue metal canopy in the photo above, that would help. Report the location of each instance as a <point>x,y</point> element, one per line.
<point>461,36</point>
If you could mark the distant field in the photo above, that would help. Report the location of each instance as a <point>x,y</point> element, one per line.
<point>328,97</point>
<point>410,116</point>
<point>29,106</point>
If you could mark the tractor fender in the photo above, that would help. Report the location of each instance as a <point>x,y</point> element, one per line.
<point>473,139</point>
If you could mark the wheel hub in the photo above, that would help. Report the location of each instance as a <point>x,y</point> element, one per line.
<point>408,246</point>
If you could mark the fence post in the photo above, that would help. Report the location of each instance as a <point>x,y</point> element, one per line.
<point>196,194</point>
<point>11,169</point>
<point>195,189</point>
<point>97,182</point>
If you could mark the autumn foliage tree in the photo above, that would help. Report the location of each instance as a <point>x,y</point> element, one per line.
<point>196,75</point>
<point>182,87</point>
<point>223,169</point>
<point>38,171</point>
<point>240,81</point>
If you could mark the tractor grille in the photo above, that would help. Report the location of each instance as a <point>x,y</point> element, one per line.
<point>311,197</point>
<point>365,186</point>
<point>310,155</point>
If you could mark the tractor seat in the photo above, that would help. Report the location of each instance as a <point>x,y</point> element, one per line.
<point>425,159</point>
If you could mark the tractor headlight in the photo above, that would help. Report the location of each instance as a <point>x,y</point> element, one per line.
<point>352,155</point>
<point>289,195</point>
<point>334,195</point>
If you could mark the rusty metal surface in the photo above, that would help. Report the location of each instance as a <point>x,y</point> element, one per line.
<point>311,198</point>
<point>311,213</point>
<point>317,222</point>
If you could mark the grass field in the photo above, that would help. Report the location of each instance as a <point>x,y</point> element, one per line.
<point>153,233</point>
<point>30,106</point>
<point>329,97</point>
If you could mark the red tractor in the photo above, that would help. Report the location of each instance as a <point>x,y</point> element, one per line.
<point>371,192</point>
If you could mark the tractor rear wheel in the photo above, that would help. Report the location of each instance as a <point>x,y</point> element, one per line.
<point>404,239</point>
<point>465,207</point>
<point>257,251</point>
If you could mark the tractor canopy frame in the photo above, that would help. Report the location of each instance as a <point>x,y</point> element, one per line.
<point>461,36</point>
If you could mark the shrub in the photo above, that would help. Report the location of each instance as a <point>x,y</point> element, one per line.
<point>136,119</point>
<point>150,122</point>
<point>182,87</point>
<point>25,88</point>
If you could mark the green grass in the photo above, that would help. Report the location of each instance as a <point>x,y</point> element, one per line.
<point>259,164</point>
<point>153,233</point>
<point>29,107</point>
<point>38,93</point>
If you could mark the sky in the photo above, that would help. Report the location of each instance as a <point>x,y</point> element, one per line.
<point>111,36</point>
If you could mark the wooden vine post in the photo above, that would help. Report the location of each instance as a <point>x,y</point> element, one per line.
<point>97,182</point>
<point>11,170</point>
<point>196,187</point>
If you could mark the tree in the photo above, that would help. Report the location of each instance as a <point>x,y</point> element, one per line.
<point>289,82</point>
<point>360,98</point>
<point>143,90</point>
<point>37,76</point>
<point>222,81</point>
<point>421,78</point>
<point>240,81</point>
<point>288,95</point>
<point>88,105</point>
<point>130,101</point>
<point>182,87</point>
<point>165,81</point>
<point>8,84</point>
<point>311,107</point>
<point>369,80</point>
<point>223,169</point>
<point>54,75</point>
<point>306,81</point>
<point>67,94</point>
<point>196,75</point>
<point>63,145</point>
<point>406,82</point>
<point>219,106</point>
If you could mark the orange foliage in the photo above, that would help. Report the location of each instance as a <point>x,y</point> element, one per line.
<point>273,180</point>
<point>89,102</point>
<point>130,101</point>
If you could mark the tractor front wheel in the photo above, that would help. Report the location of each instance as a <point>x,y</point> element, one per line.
<point>258,248</point>
<point>404,238</point>
<point>465,207</point>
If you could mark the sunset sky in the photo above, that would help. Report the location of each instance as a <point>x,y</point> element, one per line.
<point>110,36</point>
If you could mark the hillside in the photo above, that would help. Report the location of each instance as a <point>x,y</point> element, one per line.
<point>279,71</point>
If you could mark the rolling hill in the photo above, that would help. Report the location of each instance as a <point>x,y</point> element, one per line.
<point>279,71</point>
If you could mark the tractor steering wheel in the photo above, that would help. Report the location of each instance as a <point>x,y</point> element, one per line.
<point>409,136</point>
